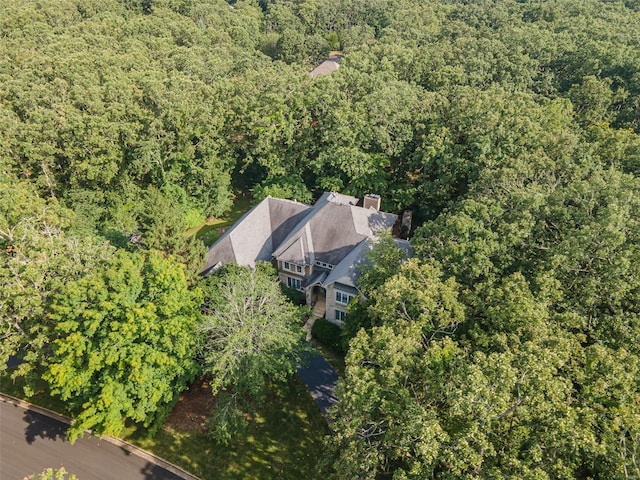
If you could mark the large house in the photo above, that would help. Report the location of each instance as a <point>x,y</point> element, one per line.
<point>317,248</point>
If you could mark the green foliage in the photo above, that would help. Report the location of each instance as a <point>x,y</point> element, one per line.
<point>333,40</point>
<point>317,48</point>
<point>228,419</point>
<point>418,405</point>
<point>294,295</point>
<point>162,225</point>
<point>290,47</point>
<point>541,308</point>
<point>98,140</point>
<point>509,128</point>
<point>290,187</point>
<point>383,261</point>
<point>251,336</point>
<point>427,96</point>
<point>39,255</point>
<point>328,333</point>
<point>124,340</point>
<point>251,332</point>
<point>193,218</point>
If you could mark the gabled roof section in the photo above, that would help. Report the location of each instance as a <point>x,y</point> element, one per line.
<point>256,234</point>
<point>325,68</point>
<point>328,66</point>
<point>346,272</point>
<point>316,279</point>
<point>332,229</point>
<point>295,252</point>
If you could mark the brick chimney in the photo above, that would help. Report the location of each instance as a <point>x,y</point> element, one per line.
<point>371,200</point>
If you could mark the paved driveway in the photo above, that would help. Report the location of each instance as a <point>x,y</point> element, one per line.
<point>321,381</point>
<point>31,442</point>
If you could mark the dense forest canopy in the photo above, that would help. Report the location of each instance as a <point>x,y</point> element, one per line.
<point>509,346</point>
<point>102,101</point>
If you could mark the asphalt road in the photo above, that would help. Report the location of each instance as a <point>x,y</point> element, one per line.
<point>31,442</point>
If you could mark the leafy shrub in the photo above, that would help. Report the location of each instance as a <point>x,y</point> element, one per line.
<point>52,474</point>
<point>328,333</point>
<point>291,187</point>
<point>333,40</point>
<point>193,218</point>
<point>295,296</point>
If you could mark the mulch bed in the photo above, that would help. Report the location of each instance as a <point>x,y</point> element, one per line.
<point>193,408</point>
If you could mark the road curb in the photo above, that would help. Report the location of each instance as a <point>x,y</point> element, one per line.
<point>150,457</point>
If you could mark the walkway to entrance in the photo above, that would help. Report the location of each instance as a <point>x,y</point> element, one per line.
<point>318,312</point>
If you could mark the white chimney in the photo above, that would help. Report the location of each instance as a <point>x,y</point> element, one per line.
<point>371,200</point>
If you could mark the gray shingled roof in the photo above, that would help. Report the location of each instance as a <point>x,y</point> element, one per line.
<point>256,234</point>
<point>315,278</point>
<point>331,230</point>
<point>327,67</point>
<point>346,272</point>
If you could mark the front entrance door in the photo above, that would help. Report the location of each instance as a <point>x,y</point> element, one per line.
<point>318,293</point>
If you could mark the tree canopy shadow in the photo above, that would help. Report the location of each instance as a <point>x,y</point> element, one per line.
<point>39,426</point>
<point>151,471</point>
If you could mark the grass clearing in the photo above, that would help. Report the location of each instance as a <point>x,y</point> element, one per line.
<point>41,396</point>
<point>211,229</point>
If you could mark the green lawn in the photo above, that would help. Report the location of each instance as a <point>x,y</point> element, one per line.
<point>40,397</point>
<point>284,439</point>
<point>209,230</point>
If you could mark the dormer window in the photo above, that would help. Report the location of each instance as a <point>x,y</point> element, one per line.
<point>328,266</point>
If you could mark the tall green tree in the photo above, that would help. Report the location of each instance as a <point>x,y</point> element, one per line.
<point>39,254</point>
<point>251,336</point>
<point>383,261</point>
<point>511,391</point>
<point>124,342</point>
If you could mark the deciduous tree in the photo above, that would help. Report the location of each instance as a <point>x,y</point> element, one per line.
<point>124,342</point>
<point>252,336</point>
<point>39,254</point>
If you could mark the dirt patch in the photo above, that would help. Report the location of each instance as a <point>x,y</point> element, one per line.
<point>193,408</point>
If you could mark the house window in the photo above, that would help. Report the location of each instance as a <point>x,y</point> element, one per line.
<point>291,267</point>
<point>340,315</point>
<point>294,283</point>
<point>343,298</point>
<point>324,265</point>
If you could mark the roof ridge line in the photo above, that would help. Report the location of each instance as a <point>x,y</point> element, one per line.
<point>286,200</point>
